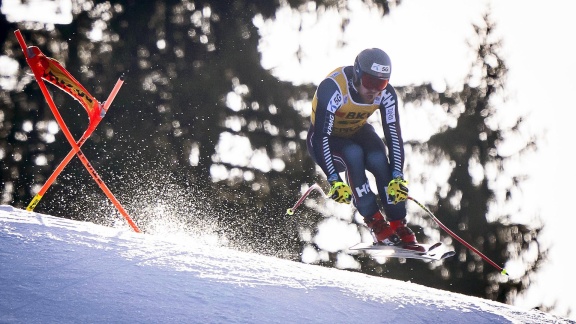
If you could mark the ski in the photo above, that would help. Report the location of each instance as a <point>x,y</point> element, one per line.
<point>431,252</point>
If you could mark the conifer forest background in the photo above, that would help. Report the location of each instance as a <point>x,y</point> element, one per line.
<point>195,90</point>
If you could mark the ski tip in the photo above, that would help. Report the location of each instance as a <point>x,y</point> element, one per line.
<point>122,77</point>
<point>435,245</point>
<point>504,272</point>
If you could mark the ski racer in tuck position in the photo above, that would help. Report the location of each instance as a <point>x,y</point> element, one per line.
<point>341,140</point>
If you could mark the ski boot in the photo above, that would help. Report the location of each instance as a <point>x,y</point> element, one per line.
<point>406,235</point>
<point>384,233</point>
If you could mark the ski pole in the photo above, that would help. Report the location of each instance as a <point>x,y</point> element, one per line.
<point>502,270</point>
<point>316,187</point>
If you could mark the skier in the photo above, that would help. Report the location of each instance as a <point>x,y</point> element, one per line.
<point>340,139</point>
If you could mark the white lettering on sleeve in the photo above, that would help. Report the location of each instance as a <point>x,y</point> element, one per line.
<point>390,115</point>
<point>335,102</point>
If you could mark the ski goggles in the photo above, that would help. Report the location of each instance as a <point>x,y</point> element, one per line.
<point>371,82</point>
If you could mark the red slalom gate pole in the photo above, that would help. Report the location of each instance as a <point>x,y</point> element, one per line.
<point>68,158</point>
<point>70,138</point>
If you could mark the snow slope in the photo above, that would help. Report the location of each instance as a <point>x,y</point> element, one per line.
<point>55,270</point>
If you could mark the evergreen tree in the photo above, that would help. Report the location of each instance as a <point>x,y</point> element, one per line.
<point>170,124</point>
<point>470,203</point>
<point>194,84</point>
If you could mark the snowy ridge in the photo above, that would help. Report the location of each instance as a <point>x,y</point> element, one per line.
<point>55,270</point>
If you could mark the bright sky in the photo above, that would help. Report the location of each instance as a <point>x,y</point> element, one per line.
<point>56,270</point>
<point>427,42</point>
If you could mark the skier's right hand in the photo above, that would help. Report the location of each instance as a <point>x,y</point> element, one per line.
<point>339,191</point>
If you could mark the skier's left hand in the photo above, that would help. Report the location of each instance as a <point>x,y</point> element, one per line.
<point>398,190</point>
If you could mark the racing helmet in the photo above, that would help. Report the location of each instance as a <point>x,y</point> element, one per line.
<point>372,68</point>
